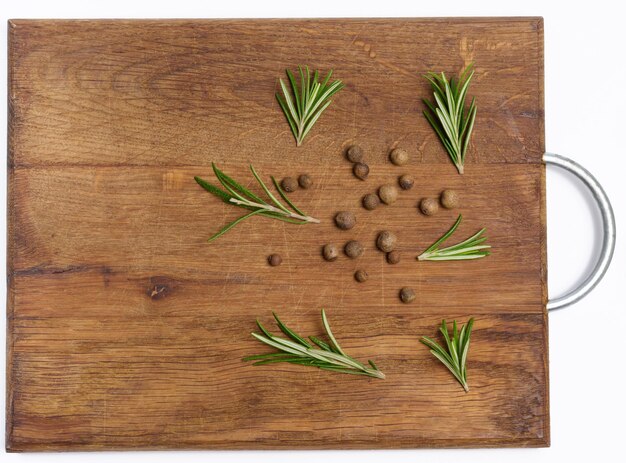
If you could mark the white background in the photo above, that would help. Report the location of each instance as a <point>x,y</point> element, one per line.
<point>585,88</point>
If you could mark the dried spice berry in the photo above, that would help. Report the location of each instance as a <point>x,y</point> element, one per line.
<point>353,249</point>
<point>393,257</point>
<point>361,171</point>
<point>345,220</point>
<point>371,201</point>
<point>388,194</point>
<point>399,157</point>
<point>354,153</point>
<point>330,252</point>
<point>289,184</point>
<point>406,182</point>
<point>305,181</point>
<point>407,295</point>
<point>386,241</point>
<point>429,206</point>
<point>274,260</point>
<point>449,199</point>
<point>361,276</point>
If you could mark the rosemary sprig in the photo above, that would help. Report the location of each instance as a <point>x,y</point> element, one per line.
<point>312,352</point>
<point>455,357</point>
<point>471,248</point>
<point>238,195</point>
<point>448,118</point>
<point>303,106</point>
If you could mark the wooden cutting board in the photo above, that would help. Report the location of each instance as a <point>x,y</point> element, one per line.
<point>126,329</point>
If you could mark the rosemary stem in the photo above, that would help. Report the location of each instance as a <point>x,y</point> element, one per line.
<point>271,208</point>
<point>299,137</point>
<point>375,373</point>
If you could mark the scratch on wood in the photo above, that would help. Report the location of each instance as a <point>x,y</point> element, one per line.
<point>44,270</point>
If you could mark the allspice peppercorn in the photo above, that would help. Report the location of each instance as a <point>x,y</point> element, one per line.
<point>361,171</point>
<point>353,249</point>
<point>371,201</point>
<point>354,153</point>
<point>388,194</point>
<point>393,257</point>
<point>407,295</point>
<point>449,199</point>
<point>360,276</point>
<point>274,260</point>
<point>429,206</point>
<point>406,181</point>
<point>305,181</point>
<point>289,184</point>
<point>386,241</point>
<point>330,252</point>
<point>345,220</point>
<point>399,157</point>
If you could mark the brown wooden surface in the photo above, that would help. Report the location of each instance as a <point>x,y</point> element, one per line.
<point>126,329</point>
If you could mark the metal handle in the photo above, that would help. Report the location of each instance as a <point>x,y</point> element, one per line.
<point>608,235</point>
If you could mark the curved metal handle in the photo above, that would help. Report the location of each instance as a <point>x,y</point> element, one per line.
<point>608,225</point>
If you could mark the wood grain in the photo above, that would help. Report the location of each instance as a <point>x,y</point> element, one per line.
<point>126,329</point>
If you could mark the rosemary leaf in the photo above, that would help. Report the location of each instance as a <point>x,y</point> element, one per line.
<point>320,343</point>
<point>289,332</point>
<point>455,358</point>
<point>304,105</point>
<point>226,184</point>
<point>240,196</point>
<point>226,180</point>
<point>213,189</point>
<point>267,191</point>
<point>471,248</point>
<point>232,224</point>
<point>262,328</point>
<point>334,345</point>
<point>452,123</point>
<point>297,350</point>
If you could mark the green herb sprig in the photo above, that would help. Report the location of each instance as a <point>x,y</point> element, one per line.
<point>236,194</point>
<point>455,357</point>
<point>452,123</point>
<point>471,248</point>
<point>304,105</point>
<point>312,352</point>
